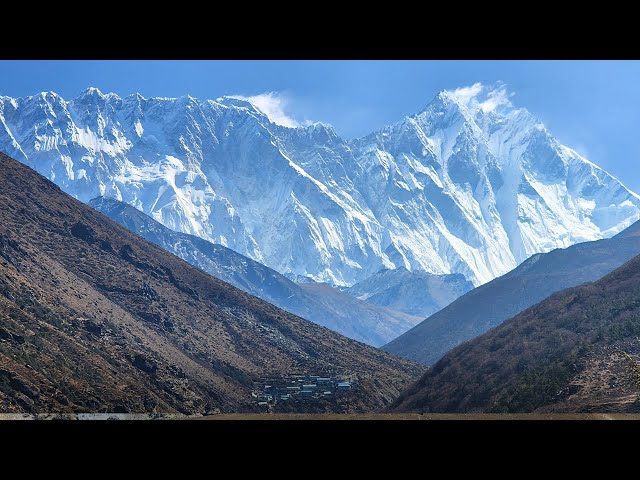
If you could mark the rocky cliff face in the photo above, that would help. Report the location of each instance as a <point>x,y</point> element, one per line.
<point>462,186</point>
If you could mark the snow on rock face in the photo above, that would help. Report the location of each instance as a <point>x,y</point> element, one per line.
<point>416,293</point>
<point>451,189</point>
<point>476,192</point>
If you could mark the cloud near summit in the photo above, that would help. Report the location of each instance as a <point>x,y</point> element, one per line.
<point>487,98</point>
<point>276,106</point>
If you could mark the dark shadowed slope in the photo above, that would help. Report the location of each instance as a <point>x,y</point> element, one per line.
<point>361,319</point>
<point>534,280</point>
<point>94,318</point>
<point>330,308</point>
<point>577,351</point>
<point>414,292</point>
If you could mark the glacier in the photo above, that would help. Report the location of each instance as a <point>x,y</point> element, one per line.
<point>459,187</point>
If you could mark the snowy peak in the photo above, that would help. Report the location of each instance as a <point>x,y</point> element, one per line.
<point>445,102</point>
<point>469,185</point>
<point>479,97</point>
<point>496,168</point>
<point>92,94</point>
<point>416,293</point>
<point>239,103</point>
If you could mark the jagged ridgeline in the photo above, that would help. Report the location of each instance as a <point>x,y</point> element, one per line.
<point>459,187</point>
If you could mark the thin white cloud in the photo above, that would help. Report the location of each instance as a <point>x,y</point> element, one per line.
<point>467,94</point>
<point>275,106</point>
<point>582,150</point>
<point>483,97</point>
<point>496,97</point>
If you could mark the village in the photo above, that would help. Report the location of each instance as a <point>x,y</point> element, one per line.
<point>299,387</point>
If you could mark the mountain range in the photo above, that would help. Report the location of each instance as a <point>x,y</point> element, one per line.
<point>415,292</point>
<point>341,312</point>
<point>93,318</point>
<point>532,281</point>
<point>175,253</point>
<point>465,186</point>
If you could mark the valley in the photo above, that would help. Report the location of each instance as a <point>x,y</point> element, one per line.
<point>213,258</point>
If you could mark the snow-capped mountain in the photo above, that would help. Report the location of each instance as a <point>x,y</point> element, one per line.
<point>462,186</point>
<point>363,321</point>
<point>495,302</point>
<point>414,292</point>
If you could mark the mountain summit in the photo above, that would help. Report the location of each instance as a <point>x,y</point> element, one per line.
<point>469,185</point>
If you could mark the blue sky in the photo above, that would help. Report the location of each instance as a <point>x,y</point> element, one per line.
<point>592,106</point>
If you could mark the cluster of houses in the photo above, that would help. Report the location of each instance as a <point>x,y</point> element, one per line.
<point>299,387</point>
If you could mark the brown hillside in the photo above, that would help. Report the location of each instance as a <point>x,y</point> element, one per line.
<point>576,351</point>
<point>529,283</point>
<point>93,318</point>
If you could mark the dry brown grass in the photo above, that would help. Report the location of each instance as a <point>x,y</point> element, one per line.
<point>556,355</point>
<point>95,319</point>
